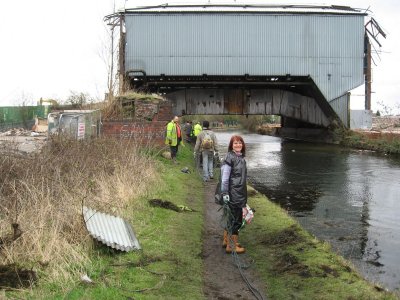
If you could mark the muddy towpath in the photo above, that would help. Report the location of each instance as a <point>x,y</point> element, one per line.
<point>222,278</point>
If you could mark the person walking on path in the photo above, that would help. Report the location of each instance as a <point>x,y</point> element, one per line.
<point>188,131</point>
<point>174,137</point>
<point>234,191</point>
<point>197,129</point>
<point>206,146</point>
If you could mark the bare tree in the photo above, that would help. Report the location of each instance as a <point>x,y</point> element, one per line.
<point>79,99</point>
<point>386,109</point>
<point>398,108</point>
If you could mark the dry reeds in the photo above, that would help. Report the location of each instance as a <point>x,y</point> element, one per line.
<point>44,194</point>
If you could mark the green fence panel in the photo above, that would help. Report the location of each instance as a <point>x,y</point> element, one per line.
<point>21,116</point>
<point>18,114</point>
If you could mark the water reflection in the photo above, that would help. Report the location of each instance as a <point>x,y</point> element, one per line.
<point>348,198</point>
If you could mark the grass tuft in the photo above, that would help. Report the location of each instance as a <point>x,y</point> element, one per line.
<point>44,194</point>
<point>296,265</point>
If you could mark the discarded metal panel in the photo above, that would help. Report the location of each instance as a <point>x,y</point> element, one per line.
<point>112,231</point>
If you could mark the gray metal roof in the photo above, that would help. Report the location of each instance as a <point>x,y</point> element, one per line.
<point>245,8</point>
<point>113,231</point>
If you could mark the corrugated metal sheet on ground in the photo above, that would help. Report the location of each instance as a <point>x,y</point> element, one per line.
<point>112,231</point>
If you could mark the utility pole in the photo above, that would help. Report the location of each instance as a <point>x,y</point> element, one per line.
<point>121,52</point>
<point>367,73</point>
<point>372,30</point>
<point>111,73</point>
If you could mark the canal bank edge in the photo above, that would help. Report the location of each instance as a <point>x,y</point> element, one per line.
<point>296,265</point>
<point>292,263</point>
<point>382,142</point>
<point>169,265</point>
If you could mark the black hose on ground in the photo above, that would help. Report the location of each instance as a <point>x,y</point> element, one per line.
<point>227,223</point>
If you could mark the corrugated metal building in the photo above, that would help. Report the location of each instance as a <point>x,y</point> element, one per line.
<point>324,43</point>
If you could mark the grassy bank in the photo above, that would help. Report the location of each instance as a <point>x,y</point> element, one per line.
<point>296,265</point>
<point>293,264</point>
<point>375,141</point>
<point>119,182</point>
<point>43,195</point>
<point>169,264</point>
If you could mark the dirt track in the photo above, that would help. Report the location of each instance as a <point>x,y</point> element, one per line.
<point>222,279</point>
<point>21,141</point>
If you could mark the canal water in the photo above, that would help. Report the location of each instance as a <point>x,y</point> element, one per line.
<point>348,198</point>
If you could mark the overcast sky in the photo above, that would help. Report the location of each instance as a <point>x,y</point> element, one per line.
<point>50,48</point>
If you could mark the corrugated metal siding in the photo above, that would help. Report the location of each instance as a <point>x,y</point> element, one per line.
<point>285,103</point>
<point>113,231</point>
<point>341,106</point>
<point>327,47</point>
<point>18,114</point>
<point>360,119</point>
<point>78,124</point>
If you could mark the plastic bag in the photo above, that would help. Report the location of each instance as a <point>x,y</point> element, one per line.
<point>248,214</point>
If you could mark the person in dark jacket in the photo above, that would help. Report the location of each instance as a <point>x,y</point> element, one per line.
<point>234,189</point>
<point>188,129</point>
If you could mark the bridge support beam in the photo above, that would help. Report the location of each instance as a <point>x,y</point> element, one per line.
<point>242,101</point>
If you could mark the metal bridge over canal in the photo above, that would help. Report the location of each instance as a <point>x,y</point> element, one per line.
<point>296,61</point>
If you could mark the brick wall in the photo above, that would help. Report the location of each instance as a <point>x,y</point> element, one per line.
<point>148,125</point>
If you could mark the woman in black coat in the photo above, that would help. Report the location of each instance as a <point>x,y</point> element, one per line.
<point>233,185</point>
